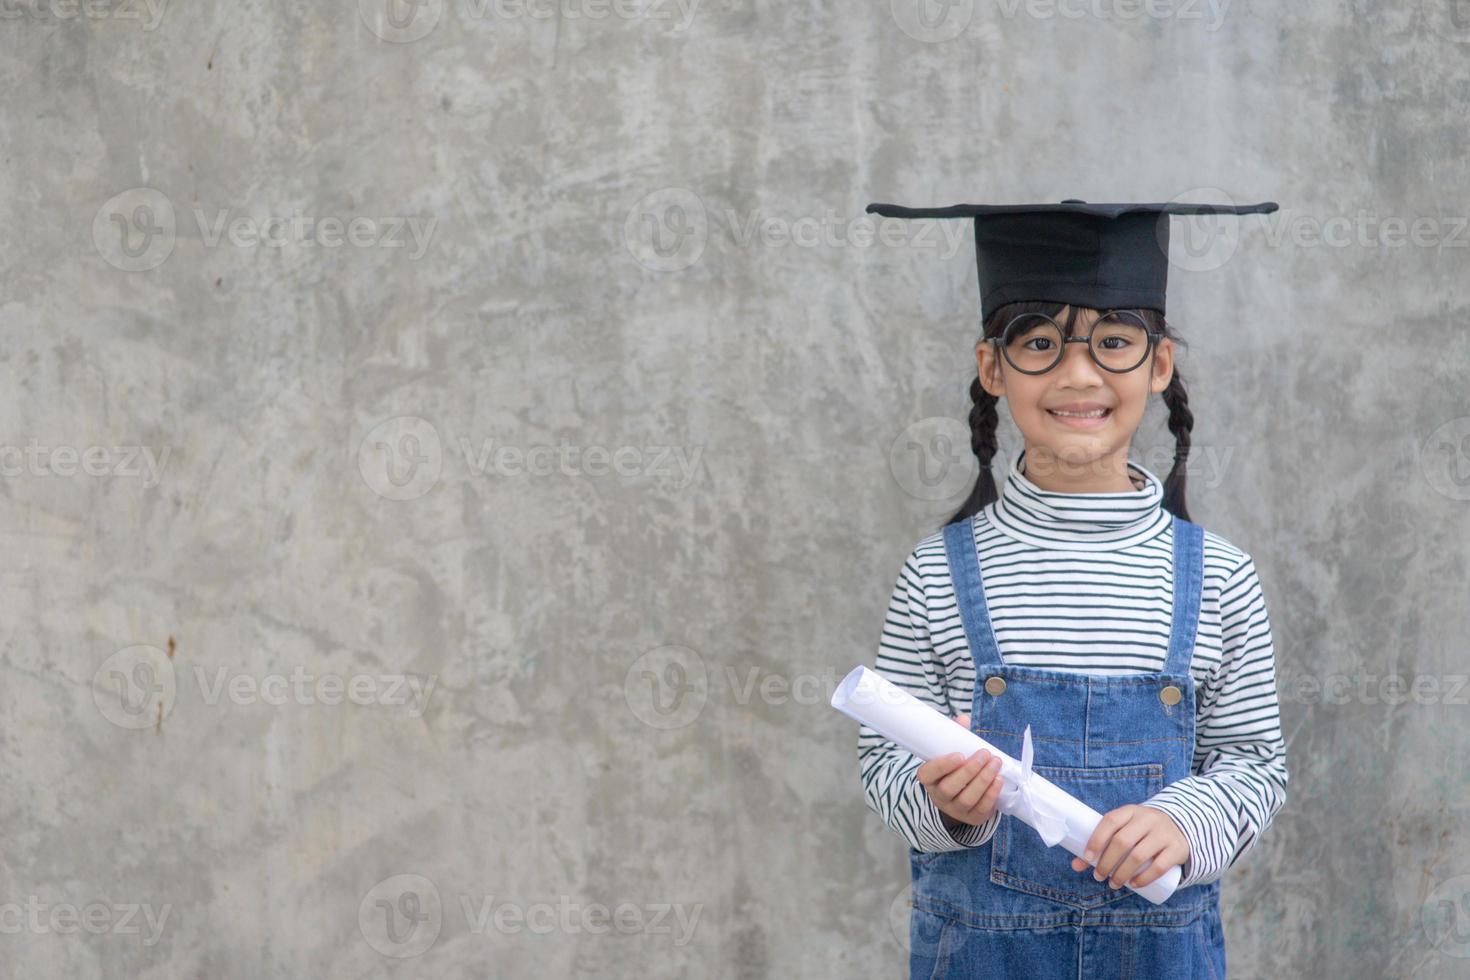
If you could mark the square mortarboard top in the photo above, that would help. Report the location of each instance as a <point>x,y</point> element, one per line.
<point>1103,256</point>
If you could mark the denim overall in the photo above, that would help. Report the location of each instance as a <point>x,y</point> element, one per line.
<point>1014,907</point>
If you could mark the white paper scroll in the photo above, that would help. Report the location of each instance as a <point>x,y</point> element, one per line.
<point>1058,816</point>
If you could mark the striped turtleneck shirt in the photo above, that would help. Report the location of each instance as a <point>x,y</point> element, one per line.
<point>1084,582</point>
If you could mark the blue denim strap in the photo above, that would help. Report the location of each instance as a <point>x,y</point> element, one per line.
<point>1189,560</point>
<point>969,592</point>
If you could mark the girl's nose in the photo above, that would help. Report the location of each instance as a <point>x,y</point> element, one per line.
<point>1078,367</point>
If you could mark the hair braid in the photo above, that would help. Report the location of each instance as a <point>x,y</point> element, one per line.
<point>1181,422</point>
<point>983,423</point>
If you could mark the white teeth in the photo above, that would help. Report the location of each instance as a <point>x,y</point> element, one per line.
<point>1081,415</point>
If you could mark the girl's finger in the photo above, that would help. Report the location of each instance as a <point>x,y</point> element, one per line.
<point>931,772</point>
<point>1163,861</point>
<point>996,786</point>
<point>987,799</point>
<point>983,781</point>
<point>950,786</point>
<point>1102,836</point>
<point>1116,852</point>
<point>1129,866</point>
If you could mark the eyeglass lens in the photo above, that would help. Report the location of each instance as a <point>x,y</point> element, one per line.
<point>1119,341</point>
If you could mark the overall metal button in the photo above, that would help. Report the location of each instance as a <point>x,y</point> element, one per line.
<point>995,685</point>
<point>1171,695</point>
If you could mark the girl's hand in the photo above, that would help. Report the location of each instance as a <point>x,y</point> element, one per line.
<point>1129,836</point>
<point>963,789</point>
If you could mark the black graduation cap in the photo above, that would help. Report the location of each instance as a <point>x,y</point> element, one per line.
<point>1103,256</point>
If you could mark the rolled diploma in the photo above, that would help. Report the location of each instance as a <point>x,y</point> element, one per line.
<point>870,699</point>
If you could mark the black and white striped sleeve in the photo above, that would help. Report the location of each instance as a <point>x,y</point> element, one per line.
<point>1239,766</point>
<point>891,787</point>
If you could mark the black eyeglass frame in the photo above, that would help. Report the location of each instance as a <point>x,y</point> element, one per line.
<point>1153,339</point>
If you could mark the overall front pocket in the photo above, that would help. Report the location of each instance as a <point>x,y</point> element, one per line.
<point>1021,860</point>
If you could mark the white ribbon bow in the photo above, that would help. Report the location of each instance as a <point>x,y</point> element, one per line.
<point>1026,806</point>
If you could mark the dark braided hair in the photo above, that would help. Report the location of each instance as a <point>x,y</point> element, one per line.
<point>1181,421</point>
<point>984,419</point>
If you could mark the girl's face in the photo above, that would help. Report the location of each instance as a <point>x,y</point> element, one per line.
<point>1072,454</point>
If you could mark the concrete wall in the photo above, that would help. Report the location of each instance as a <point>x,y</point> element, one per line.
<point>452,451</point>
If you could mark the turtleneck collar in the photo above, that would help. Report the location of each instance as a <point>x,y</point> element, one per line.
<point>1079,521</point>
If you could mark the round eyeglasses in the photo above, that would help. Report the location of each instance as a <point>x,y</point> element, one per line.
<point>1118,340</point>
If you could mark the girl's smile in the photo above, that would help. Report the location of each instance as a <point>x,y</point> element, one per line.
<point>1086,416</point>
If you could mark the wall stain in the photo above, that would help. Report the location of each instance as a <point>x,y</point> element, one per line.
<point>158,725</point>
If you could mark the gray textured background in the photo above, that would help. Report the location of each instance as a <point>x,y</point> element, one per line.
<point>619,472</point>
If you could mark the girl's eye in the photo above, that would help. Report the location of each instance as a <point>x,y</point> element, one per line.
<point>1037,340</point>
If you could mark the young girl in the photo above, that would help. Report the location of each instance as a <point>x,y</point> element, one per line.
<point>1078,599</point>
